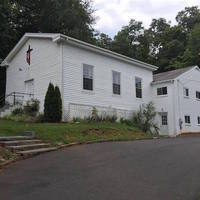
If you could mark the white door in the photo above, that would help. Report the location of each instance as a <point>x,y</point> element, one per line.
<point>164,123</point>
<point>29,89</point>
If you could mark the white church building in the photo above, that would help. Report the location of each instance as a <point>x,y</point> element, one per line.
<point>89,76</point>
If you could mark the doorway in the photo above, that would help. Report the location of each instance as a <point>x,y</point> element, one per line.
<point>164,123</point>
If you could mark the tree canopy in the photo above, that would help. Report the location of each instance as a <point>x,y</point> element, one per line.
<point>161,44</point>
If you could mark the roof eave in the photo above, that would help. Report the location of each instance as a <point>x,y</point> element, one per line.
<point>163,81</point>
<point>105,52</point>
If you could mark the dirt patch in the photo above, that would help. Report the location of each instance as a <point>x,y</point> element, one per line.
<point>6,155</point>
<point>99,131</point>
<point>190,134</point>
<point>93,130</point>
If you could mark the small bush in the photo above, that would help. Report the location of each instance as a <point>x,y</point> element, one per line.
<point>58,105</point>
<point>126,121</point>
<point>99,118</point>
<point>18,111</point>
<point>40,118</point>
<point>32,107</point>
<point>145,117</point>
<point>53,104</point>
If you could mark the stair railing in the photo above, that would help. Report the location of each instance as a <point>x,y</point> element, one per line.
<point>15,95</point>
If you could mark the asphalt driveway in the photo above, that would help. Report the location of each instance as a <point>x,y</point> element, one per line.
<point>167,169</point>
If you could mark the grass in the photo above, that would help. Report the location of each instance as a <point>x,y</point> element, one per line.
<point>64,133</point>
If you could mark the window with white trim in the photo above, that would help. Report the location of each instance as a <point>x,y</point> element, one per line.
<point>116,82</point>
<point>87,77</point>
<point>198,120</point>
<point>187,119</point>
<point>186,92</point>
<point>162,91</point>
<point>197,94</point>
<point>164,120</point>
<point>138,87</point>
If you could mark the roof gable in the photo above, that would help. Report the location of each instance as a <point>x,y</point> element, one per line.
<point>56,37</point>
<point>171,75</point>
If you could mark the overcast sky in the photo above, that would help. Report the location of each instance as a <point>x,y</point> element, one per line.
<point>113,14</point>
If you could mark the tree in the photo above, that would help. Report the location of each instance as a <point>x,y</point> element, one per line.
<point>156,42</point>
<point>104,41</point>
<point>188,18</point>
<point>194,45</point>
<point>7,36</point>
<point>49,103</point>
<point>2,85</point>
<point>70,17</point>
<point>127,39</point>
<point>58,105</point>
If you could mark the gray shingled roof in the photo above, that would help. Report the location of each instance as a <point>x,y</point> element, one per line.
<point>170,75</point>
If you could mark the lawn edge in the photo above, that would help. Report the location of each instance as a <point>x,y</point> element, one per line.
<point>63,146</point>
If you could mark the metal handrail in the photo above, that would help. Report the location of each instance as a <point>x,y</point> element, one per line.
<point>14,94</point>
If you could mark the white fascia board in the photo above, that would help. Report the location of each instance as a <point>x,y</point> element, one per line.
<point>106,52</point>
<point>164,81</point>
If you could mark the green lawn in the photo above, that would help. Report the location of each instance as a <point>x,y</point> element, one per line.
<point>64,133</point>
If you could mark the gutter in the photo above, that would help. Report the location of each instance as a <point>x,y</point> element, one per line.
<point>164,81</point>
<point>94,48</point>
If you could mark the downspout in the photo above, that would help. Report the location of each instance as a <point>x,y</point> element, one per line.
<point>62,83</point>
<point>58,40</point>
<point>179,108</point>
<point>174,107</point>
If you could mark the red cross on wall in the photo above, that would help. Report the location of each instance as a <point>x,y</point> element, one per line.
<point>28,55</point>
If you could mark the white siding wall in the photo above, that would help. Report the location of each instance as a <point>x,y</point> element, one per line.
<point>73,59</point>
<point>189,106</point>
<point>45,67</point>
<point>165,103</point>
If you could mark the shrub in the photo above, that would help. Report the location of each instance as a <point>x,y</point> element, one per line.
<point>18,111</point>
<point>40,118</point>
<point>49,104</point>
<point>144,118</point>
<point>99,118</point>
<point>58,105</point>
<point>53,104</point>
<point>126,121</point>
<point>94,114</point>
<point>32,107</point>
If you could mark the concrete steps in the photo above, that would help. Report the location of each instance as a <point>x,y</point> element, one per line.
<point>19,142</point>
<point>28,147</point>
<point>36,151</point>
<point>25,145</point>
<point>11,138</point>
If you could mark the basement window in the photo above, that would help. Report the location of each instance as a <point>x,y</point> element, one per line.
<point>186,92</point>
<point>164,120</point>
<point>162,91</point>
<point>198,120</point>
<point>87,77</point>
<point>187,119</point>
<point>197,94</point>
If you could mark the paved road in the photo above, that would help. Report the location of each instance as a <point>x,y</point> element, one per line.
<point>167,169</point>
